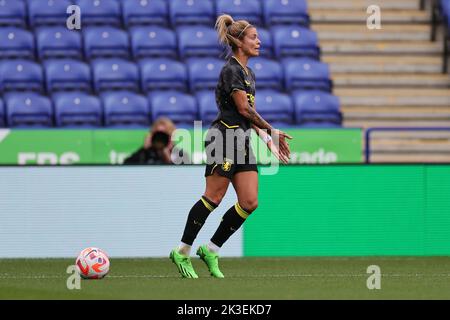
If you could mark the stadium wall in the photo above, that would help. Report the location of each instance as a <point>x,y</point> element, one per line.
<point>333,210</point>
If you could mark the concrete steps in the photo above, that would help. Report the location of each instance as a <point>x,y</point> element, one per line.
<point>393,97</point>
<point>360,32</point>
<point>360,16</point>
<point>410,157</point>
<point>423,48</point>
<point>388,77</point>
<point>382,64</point>
<point>365,124</point>
<point>389,80</point>
<point>363,4</point>
<point>410,146</point>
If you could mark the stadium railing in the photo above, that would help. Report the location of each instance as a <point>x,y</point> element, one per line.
<point>438,17</point>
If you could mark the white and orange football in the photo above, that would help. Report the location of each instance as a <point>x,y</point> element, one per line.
<point>92,263</point>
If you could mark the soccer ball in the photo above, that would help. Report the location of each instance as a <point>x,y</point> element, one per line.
<point>92,263</point>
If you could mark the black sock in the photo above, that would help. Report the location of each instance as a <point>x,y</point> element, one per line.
<point>196,218</point>
<point>231,222</point>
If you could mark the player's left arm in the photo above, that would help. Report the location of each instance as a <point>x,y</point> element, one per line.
<point>283,156</point>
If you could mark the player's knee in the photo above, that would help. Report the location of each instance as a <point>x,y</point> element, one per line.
<point>249,205</point>
<point>216,198</point>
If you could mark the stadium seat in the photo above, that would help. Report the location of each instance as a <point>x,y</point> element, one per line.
<point>196,41</point>
<point>77,110</point>
<point>163,74</point>
<point>105,42</point>
<point>295,41</point>
<point>306,74</point>
<point>13,13</point>
<point>191,12</point>
<point>115,74</point>
<point>269,73</point>
<point>16,43</point>
<point>2,114</point>
<point>143,12</point>
<point>67,75</point>
<point>207,106</point>
<point>181,108</point>
<point>153,41</point>
<point>285,12</point>
<point>48,12</point>
<point>100,12</point>
<point>266,49</point>
<point>275,107</point>
<point>250,10</point>
<point>18,75</point>
<point>125,109</point>
<point>58,42</point>
<point>28,110</point>
<point>204,73</point>
<point>317,109</point>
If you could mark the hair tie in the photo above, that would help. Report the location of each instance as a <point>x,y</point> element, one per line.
<point>240,34</point>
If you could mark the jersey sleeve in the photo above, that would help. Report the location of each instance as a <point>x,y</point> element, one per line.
<point>233,79</point>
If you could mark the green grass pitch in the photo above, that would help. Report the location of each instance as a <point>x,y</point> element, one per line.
<point>246,278</point>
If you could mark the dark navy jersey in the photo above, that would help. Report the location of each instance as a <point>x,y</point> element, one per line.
<point>234,77</point>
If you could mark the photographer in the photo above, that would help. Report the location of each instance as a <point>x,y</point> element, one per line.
<point>158,147</point>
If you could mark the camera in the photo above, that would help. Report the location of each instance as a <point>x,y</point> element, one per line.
<point>160,140</point>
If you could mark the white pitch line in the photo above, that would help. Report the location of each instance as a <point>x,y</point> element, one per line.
<point>393,275</point>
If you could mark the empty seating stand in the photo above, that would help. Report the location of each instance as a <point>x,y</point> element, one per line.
<point>135,60</point>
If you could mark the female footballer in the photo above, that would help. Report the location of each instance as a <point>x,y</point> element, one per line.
<point>235,96</point>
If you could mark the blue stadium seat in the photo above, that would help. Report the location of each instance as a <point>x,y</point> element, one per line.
<point>163,74</point>
<point>204,73</point>
<point>125,109</point>
<point>445,4</point>
<point>115,74</point>
<point>250,10</point>
<point>275,107</point>
<point>28,110</point>
<point>306,74</point>
<point>196,41</point>
<point>181,108</point>
<point>18,75</point>
<point>100,12</point>
<point>286,12</point>
<point>13,13</point>
<point>266,49</point>
<point>143,12</point>
<point>105,42</point>
<point>191,12</point>
<point>2,114</point>
<point>16,43</point>
<point>77,110</point>
<point>269,73</point>
<point>317,109</point>
<point>48,12</point>
<point>295,41</point>
<point>207,106</point>
<point>58,42</point>
<point>153,41</point>
<point>67,75</point>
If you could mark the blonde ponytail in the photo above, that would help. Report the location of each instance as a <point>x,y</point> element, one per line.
<point>222,24</point>
<point>229,31</point>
